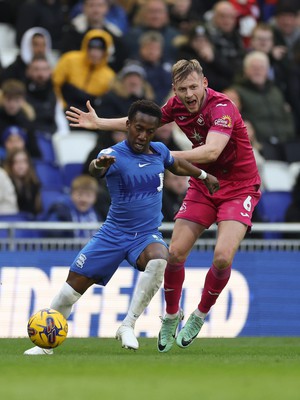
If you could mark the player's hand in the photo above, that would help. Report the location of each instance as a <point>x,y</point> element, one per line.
<point>105,161</point>
<point>81,119</point>
<point>212,183</point>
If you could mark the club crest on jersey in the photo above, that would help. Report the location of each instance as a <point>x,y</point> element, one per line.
<point>200,120</point>
<point>107,151</point>
<point>225,121</point>
<point>80,260</point>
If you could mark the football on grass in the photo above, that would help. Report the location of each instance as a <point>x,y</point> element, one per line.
<point>47,328</point>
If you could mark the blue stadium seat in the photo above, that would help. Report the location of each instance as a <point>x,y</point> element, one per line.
<point>44,141</point>
<point>49,174</point>
<point>19,233</point>
<point>272,208</point>
<point>49,197</point>
<point>70,171</point>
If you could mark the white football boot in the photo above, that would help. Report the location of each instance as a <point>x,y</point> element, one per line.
<point>126,334</point>
<point>38,351</point>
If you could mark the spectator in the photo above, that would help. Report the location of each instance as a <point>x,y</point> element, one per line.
<point>20,169</point>
<point>197,45</point>
<point>49,115</point>
<point>47,14</point>
<point>285,26</point>
<point>115,15</point>
<point>13,138</point>
<point>129,85</point>
<point>35,42</point>
<point>263,104</point>
<point>175,188</point>
<point>15,111</point>
<point>182,16</point>
<point>282,71</point>
<point>93,16</point>
<point>78,208</point>
<point>248,13</point>
<point>222,30</point>
<point>158,72</point>
<point>152,15</point>
<point>8,196</point>
<point>84,74</point>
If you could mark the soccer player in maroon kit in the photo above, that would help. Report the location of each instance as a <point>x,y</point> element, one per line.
<point>222,148</point>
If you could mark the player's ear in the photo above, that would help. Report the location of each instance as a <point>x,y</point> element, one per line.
<point>205,82</point>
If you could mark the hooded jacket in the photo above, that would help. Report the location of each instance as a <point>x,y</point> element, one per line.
<point>76,79</point>
<point>17,70</point>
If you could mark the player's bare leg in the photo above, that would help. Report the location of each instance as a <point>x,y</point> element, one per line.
<point>230,235</point>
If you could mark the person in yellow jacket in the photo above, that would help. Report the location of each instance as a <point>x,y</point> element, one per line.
<point>84,74</point>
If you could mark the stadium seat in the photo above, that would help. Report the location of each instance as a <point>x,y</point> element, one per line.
<point>49,174</point>
<point>19,233</point>
<point>272,208</point>
<point>276,176</point>
<point>70,171</point>
<point>44,141</point>
<point>73,147</point>
<point>49,197</point>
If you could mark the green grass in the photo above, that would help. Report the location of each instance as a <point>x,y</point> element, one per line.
<point>99,369</point>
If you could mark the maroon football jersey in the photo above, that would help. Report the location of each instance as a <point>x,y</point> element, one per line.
<point>218,114</point>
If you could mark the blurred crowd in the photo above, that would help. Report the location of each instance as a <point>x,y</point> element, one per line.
<point>58,53</point>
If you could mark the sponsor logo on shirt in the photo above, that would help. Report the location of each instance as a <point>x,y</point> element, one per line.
<point>181,118</point>
<point>224,121</point>
<point>221,105</point>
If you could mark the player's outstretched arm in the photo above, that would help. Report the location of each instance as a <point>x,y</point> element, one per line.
<point>90,120</point>
<point>185,168</point>
<point>100,165</point>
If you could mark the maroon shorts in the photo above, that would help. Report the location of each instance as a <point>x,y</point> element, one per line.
<point>234,201</point>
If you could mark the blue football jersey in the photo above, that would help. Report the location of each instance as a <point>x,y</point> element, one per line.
<point>135,183</point>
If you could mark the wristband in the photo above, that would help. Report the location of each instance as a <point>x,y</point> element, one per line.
<point>96,167</point>
<point>203,175</point>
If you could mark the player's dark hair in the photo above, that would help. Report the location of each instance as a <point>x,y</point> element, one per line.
<point>145,107</point>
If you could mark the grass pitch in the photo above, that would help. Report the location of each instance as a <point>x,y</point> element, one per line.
<point>211,369</point>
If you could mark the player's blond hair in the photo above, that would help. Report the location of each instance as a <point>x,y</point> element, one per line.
<point>183,68</point>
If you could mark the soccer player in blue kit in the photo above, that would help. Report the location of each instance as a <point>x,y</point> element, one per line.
<point>134,170</point>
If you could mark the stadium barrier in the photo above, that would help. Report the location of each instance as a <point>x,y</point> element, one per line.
<point>262,297</point>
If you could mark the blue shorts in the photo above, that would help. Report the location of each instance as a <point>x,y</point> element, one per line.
<point>101,256</point>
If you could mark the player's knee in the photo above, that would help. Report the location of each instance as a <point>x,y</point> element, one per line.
<point>176,255</point>
<point>222,260</point>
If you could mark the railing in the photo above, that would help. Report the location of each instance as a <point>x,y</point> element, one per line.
<point>13,243</point>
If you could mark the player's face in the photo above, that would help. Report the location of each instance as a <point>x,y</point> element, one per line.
<point>141,131</point>
<point>191,91</point>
